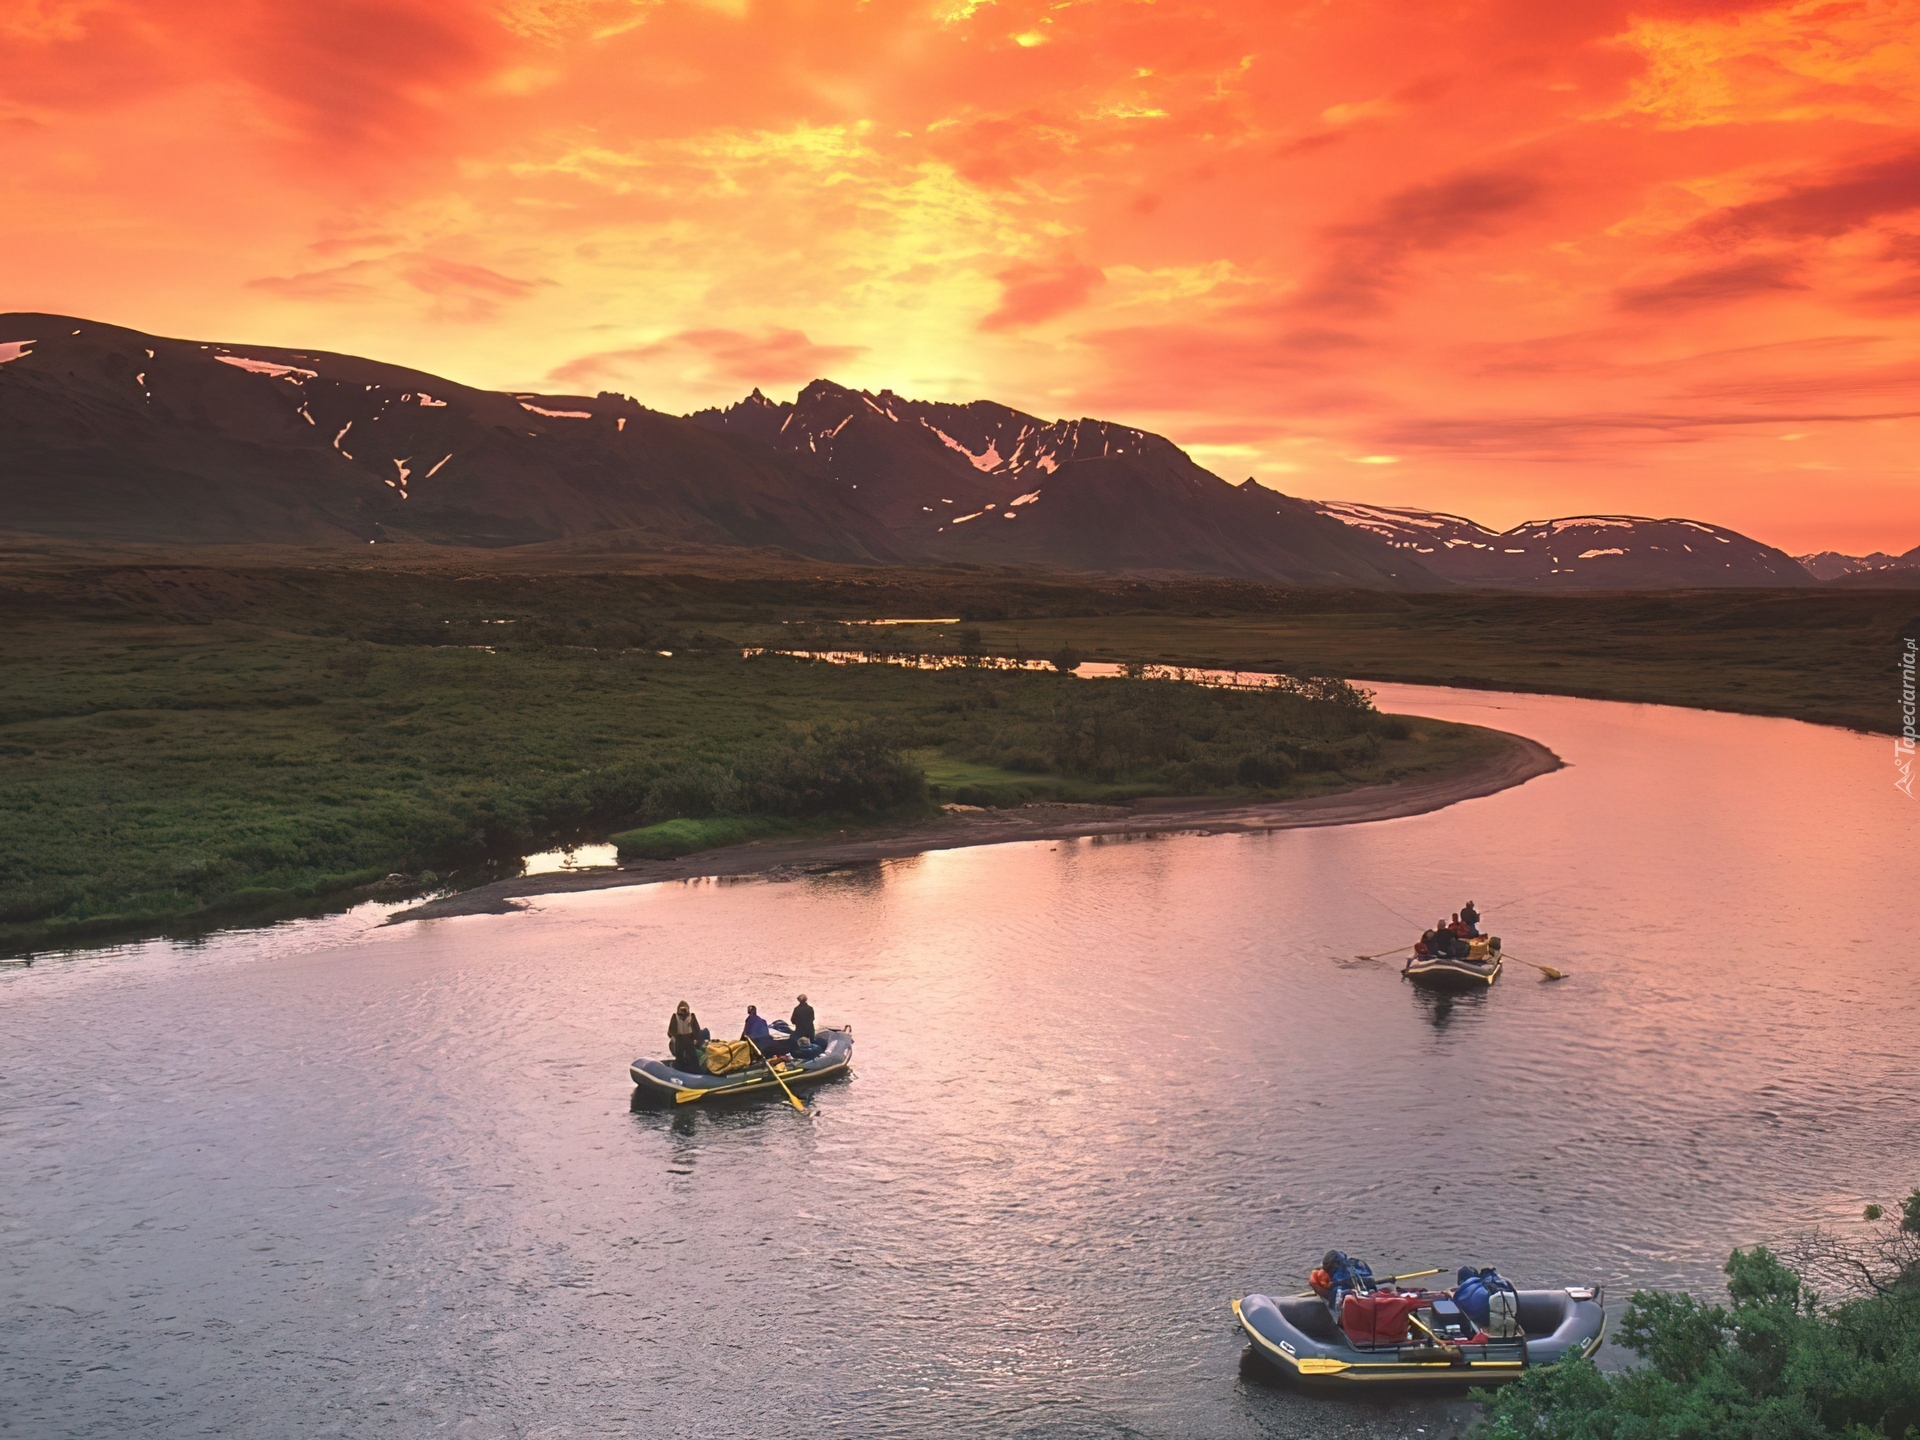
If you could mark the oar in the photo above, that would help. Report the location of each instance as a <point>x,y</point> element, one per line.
<point>1384,953</point>
<point>776,1075</point>
<point>1547,970</point>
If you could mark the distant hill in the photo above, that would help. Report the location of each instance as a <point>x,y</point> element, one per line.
<point>1831,565</point>
<point>112,435</point>
<point>1580,552</point>
<point>989,484</point>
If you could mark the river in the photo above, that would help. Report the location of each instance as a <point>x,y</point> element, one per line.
<point>333,1178</point>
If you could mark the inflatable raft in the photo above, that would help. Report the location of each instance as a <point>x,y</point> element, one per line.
<point>1478,969</point>
<point>658,1080</point>
<point>1297,1336</point>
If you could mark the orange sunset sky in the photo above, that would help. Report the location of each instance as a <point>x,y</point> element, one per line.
<point>1511,258</point>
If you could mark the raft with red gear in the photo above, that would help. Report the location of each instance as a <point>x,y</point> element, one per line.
<point>1349,1329</point>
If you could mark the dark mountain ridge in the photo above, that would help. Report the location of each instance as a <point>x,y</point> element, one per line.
<point>115,435</point>
<point>986,483</point>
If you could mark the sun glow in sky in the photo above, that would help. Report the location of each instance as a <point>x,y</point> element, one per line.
<point>1502,257</point>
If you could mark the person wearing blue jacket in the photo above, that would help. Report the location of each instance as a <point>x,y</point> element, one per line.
<point>761,1034</point>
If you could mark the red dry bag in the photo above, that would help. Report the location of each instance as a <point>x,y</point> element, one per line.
<point>1379,1318</point>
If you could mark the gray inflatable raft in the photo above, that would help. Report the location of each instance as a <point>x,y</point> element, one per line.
<point>657,1080</point>
<point>1297,1336</point>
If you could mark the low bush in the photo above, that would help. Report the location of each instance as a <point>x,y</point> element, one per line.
<point>1184,738</point>
<point>849,769</point>
<point>1774,1363</point>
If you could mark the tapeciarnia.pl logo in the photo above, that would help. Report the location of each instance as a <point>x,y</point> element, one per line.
<point>1904,742</point>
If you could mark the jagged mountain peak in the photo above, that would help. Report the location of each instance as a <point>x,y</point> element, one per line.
<point>118,435</point>
<point>984,481</point>
<point>992,439</point>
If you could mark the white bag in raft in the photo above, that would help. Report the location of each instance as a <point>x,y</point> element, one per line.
<point>1503,1314</point>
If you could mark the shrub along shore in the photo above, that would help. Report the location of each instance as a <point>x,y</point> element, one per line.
<point>1777,1362</point>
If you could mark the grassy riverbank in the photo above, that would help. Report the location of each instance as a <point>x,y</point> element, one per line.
<point>258,745</point>
<point>180,744</point>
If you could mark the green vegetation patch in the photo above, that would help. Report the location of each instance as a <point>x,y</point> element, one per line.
<point>291,738</point>
<point>670,839</point>
<point>194,745</point>
<point>953,781</point>
<point>1774,1363</point>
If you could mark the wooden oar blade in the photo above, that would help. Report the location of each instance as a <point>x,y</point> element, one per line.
<point>778,1078</point>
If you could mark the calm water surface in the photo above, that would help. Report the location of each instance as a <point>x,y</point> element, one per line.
<point>331,1179</point>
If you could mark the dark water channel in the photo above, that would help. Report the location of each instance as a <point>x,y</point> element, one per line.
<point>332,1179</point>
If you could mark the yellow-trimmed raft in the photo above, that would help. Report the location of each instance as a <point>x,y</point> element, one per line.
<point>1476,970</point>
<point>1297,1336</point>
<point>656,1080</point>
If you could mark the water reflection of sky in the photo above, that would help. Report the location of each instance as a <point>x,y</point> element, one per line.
<point>1100,1088</point>
<point>1085,670</point>
<point>577,857</point>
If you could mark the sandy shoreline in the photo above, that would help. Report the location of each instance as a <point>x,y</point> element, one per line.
<point>1519,761</point>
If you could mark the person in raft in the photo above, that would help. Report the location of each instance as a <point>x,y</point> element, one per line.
<point>761,1034</point>
<point>1470,918</point>
<point>805,1046</point>
<point>683,1038</point>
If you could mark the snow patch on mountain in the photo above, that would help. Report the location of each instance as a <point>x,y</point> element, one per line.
<point>1640,551</point>
<point>268,367</point>
<point>988,460</point>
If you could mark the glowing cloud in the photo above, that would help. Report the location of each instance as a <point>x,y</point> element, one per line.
<point>1548,258</point>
